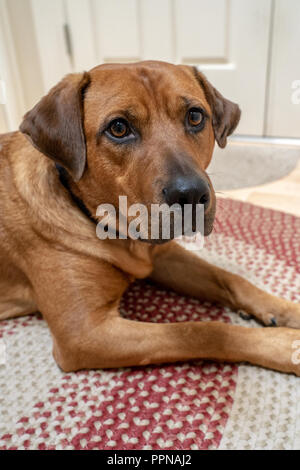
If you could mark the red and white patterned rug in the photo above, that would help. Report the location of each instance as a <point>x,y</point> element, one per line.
<point>196,405</point>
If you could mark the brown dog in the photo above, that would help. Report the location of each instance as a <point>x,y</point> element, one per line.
<point>147,131</point>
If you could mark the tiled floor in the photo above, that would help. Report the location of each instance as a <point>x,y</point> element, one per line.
<point>283,194</point>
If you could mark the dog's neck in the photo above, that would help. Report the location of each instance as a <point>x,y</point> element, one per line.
<point>138,254</point>
<point>63,178</point>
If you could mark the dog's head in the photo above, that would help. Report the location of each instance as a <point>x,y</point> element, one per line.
<point>144,130</point>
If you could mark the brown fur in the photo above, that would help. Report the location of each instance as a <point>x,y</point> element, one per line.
<point>51,259</point>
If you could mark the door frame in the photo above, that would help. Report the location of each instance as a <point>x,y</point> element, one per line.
<point>14,107</point>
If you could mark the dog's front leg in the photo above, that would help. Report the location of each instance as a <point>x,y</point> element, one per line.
<point>188,274</point>
<point>79,297</point>
<point>118,342</point>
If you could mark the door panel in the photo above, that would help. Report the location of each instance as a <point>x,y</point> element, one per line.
<point>117,30</point>
<point>201,30</point>
<point>157,31</point>
<point>80,21</point>
<point>49,20</point>
<point>243,75</point>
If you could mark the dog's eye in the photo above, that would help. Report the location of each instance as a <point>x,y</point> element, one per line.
<point>119,128</point>
<point>120,131</point>
<point>195,117</point>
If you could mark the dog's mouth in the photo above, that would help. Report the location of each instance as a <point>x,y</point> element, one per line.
<point>188,235</point>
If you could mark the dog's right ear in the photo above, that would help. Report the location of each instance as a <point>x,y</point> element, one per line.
<point>55,125</point>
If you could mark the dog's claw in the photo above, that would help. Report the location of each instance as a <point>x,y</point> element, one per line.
<point>244,315</point>
<point>273,322</point>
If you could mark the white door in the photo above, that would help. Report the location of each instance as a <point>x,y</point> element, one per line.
<point>249,49</point>
<point>227,39</point>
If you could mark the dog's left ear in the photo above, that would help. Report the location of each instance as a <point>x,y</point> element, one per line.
<point>55,125</point>
<point>226,114</point>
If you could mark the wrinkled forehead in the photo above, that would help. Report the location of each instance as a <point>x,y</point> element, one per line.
<point>145,88</point>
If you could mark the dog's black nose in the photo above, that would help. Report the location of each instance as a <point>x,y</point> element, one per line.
<point>187,190</point>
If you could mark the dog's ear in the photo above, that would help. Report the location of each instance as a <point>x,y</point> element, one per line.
<point>226,114</point>
<point>55,124</point>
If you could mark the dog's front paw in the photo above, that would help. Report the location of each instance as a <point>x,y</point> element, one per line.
<point>288,314</point>
<point>283,313</point>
